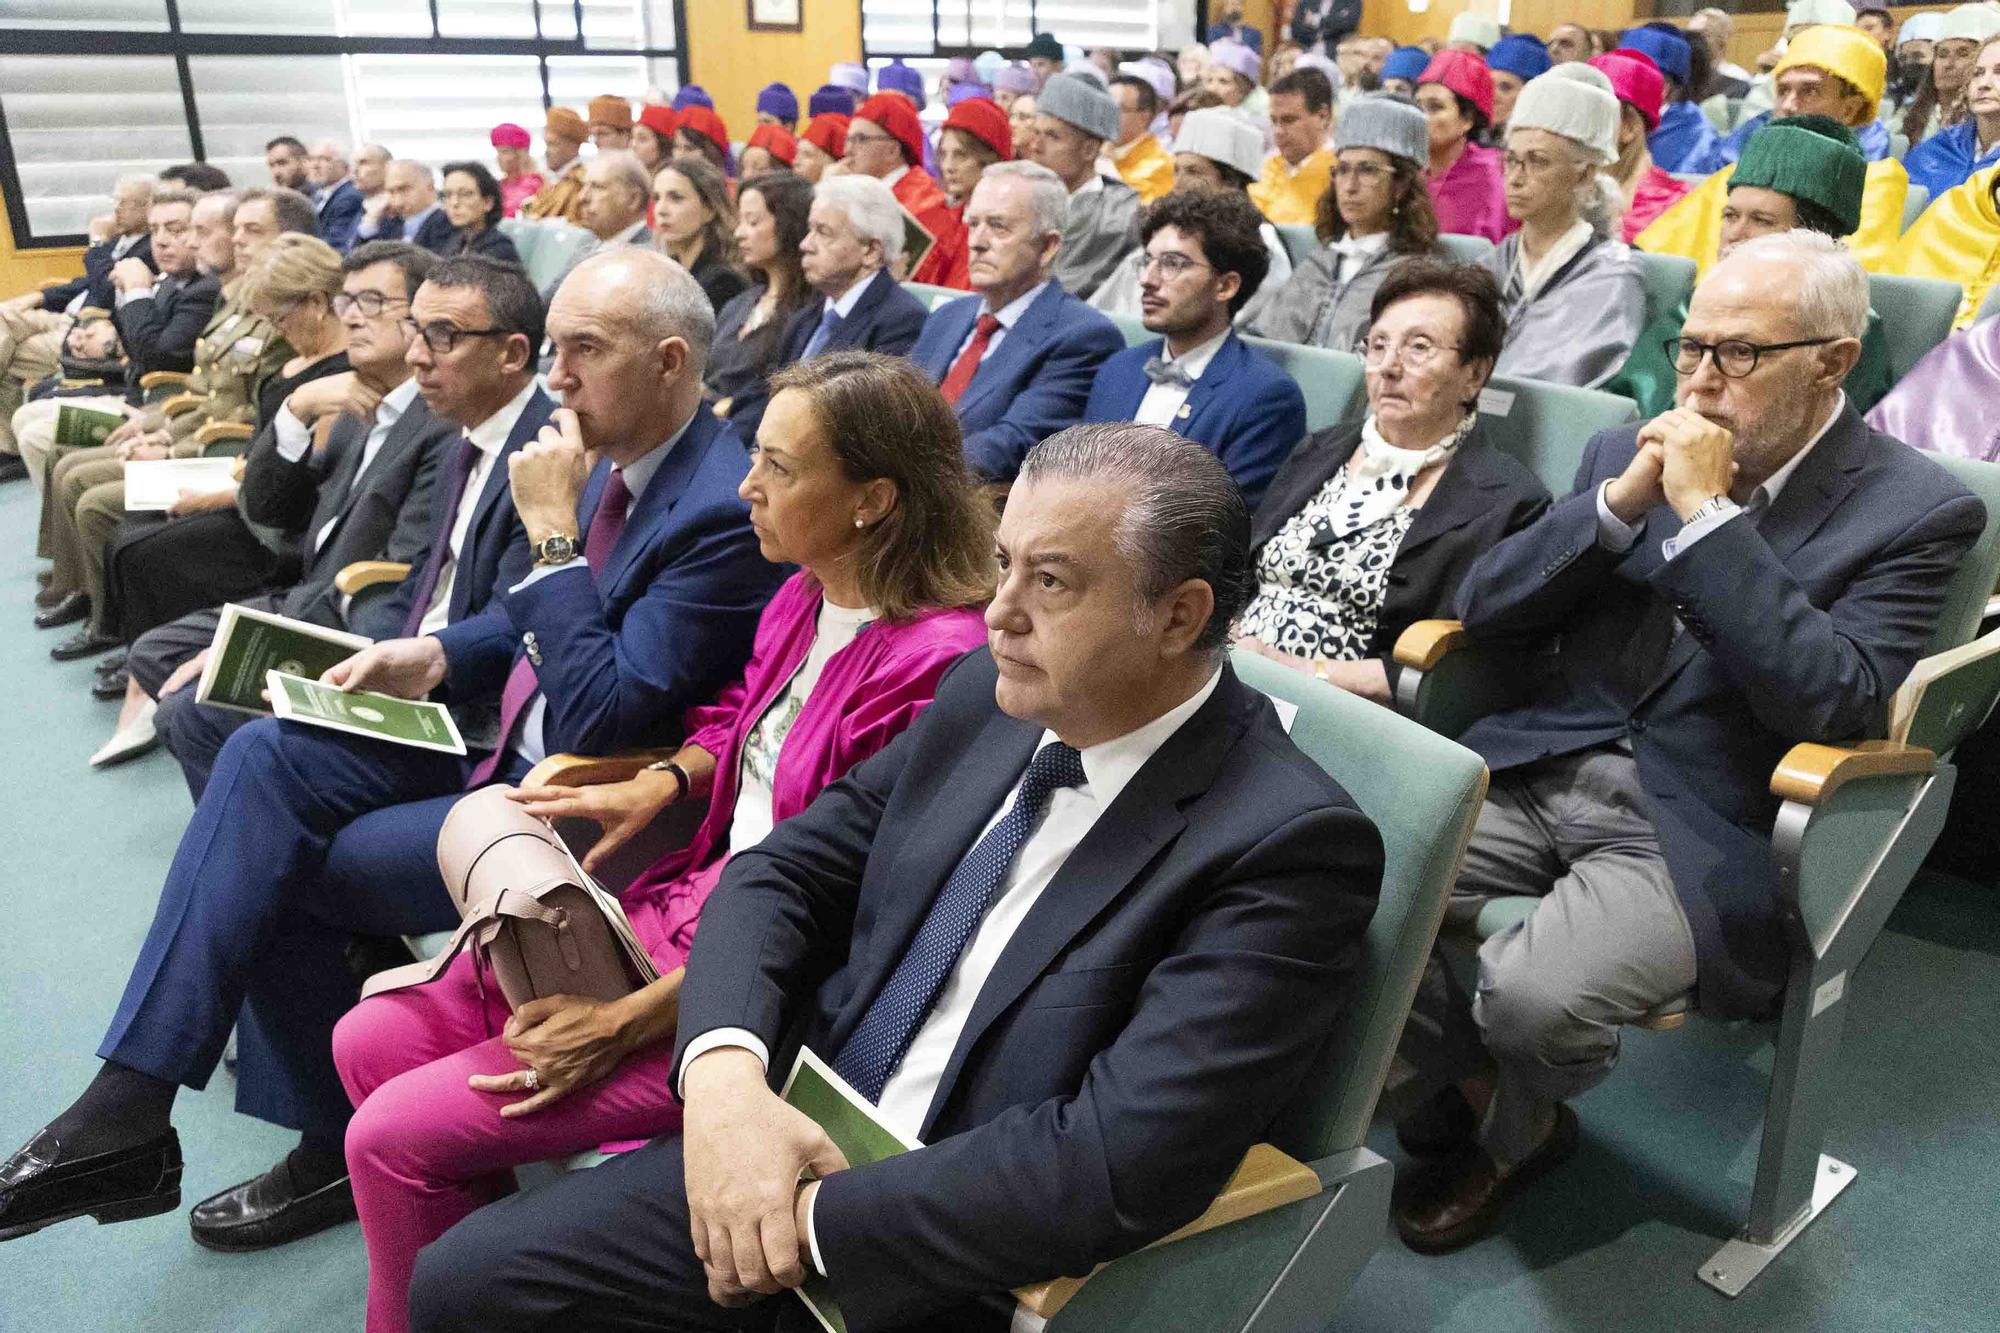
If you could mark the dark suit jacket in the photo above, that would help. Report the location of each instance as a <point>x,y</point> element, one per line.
<point>160,331</point>
<point>1483,496</point>
<point>1797,629</point>
<point>339,215</point>
<point>665,624</point>
<point>1155,1005</point>
<point>885,319</point>
<point>1033,385</point>
<point>1244,409</point>
<point>490,242</point>
<point>385,514</point>
<point>435,234</point>
<point>98,262</point>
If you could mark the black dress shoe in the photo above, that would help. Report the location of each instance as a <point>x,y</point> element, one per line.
<point>110,686</point>
<point>1441,1125</point>
<point>67,610</point>
<point>38,1188</point>
<point>111,665</point>
<point>269,1210</point>
<point>12,467</point>
<point>46,597</point>
<point>86,642</point>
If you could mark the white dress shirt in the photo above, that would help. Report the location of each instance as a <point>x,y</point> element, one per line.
<point>1008,315</point>
<point>294,438</point>
<point>1615,534</point>
<point>1069,816</point>
<point>488,438</point>
<point>637,474</point>
<point>1163,402</point>
<point>843,305</point>
<point>1354,253</point>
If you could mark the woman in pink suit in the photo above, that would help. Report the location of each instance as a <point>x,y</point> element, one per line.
<point>858,477</point>
<point>1455,92</point>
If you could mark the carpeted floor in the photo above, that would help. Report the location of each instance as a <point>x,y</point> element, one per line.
<point>1609,1244</point>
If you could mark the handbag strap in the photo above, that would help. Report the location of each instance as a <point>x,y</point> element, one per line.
<point>484,921</point>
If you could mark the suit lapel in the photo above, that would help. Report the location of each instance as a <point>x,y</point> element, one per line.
<point>1028,336</point>
<point>1456,500</point>
<point>653,507</point>
<point>533,417</point>
<point>849,334</point>
<point>1124,840</point>
<point>1228,360</point>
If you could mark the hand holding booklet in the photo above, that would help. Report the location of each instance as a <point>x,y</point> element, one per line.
<point>415,722</point>
<point>153,485</point>
<point>250,644</point>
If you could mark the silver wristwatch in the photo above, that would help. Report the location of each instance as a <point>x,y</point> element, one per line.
<point>1715,504</point>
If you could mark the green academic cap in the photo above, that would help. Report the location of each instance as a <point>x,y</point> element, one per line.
<point>1814,158</point>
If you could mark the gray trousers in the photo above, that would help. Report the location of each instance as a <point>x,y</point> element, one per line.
<point>1607,942</point>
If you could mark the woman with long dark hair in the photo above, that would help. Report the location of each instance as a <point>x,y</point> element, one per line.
<point>771,213</point>
<point>694,225</point>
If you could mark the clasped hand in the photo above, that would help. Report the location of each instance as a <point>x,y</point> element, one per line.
<point>334,394</point>
<point>1684,460</point>
<point>745,1150</point>
<point>566,1041</point>
<point>547,476</point>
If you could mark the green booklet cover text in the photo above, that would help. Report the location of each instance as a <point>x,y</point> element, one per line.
<point>84,427</point>
<point>417,722</point>
<point>250,644</point>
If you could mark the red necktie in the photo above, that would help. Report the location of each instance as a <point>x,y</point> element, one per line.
<point>605,526</point>
<point>967,365</point>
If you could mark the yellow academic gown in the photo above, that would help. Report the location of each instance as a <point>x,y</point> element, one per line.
<point>1957,240</point>
<point>1693,227</point>
<point>1289,195</point>
<point>1146,167</point>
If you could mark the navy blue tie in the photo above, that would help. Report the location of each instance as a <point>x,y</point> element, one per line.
<point>878,1042</point>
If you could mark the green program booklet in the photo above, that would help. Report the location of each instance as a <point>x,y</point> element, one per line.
<point>84,427</point>
<point>249,645</point>
<point>416,722</point>
<point>856,1128</point>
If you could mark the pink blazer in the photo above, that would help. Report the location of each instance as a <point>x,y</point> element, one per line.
<point>869,691</point>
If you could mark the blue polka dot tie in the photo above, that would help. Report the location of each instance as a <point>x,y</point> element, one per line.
<point>877,1044</point>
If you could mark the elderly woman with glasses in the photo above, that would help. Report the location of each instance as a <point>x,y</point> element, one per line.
<point>1569,287</point>
<point>1367,529</point>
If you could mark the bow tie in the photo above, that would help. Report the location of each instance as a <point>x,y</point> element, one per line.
<point>1166,372</point>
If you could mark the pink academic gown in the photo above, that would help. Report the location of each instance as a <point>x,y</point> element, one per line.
<point>1470,198</point>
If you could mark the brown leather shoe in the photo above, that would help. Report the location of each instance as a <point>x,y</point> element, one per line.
<point>1461,1199</point>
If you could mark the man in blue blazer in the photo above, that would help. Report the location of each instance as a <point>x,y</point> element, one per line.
<point>1204,258</point>
<point>645,591</point>
<point>854,238</point>
<point>1093,912</point>
<point>1017,360</point>
<point>337,201</point>
<point>1752,569</point>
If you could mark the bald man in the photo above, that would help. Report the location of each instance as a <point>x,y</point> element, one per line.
<point>337,200</point>
<point>612,207</point>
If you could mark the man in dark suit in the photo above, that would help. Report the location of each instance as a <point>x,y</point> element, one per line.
<point>854,236</point>
<point>366,493</point>
<point>641,600</point>
<point>413,213</point>
<point>1016,360</point>
<point>1752,569</point>
<point>337,200</point>
<point>611,206</point>
<point>1089,915</point>
<point>1204,258</point>
<point>1230,27</point>
<point>160,314</point>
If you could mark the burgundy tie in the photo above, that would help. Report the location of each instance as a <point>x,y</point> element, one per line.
<point>967,365</point>
<point>457,469</point>
<point>605,526</point>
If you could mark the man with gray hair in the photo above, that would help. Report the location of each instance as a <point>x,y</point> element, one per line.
<point>1751,569</point>
<point>1074,120</point>
<point>612,206</point>
<point>627,592</point>
<point>1016,361</point>
<point>1091,912</point>
<point>412,213</point>
<point>337,200</point>
<point>854,234</point>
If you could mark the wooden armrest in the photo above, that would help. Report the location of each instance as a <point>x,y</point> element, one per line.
<point>92,312</point>
<point>180,405</point>
<point>1267,1179</point>
<point>369,573</point>
<point>583,770</point>
<point>1424,644</point>
<point>1810,774</point>
<point>217,431</point>
<point>156,379</point>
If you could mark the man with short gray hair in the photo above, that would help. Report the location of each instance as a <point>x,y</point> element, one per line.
<point>1093,911</point>
<point>412,213</point>
<point>1751,569</point>
<point>612,207</point>
<point>854,234</point>
<point>337,200</point>
<point>1074,120</point>
<point>1016,361</point>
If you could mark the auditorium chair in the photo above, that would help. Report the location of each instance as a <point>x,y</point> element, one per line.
<point>1331,381</point>
<point>526,234</point>
<point>1917,314</point>
<point>1304,1212</point>
<point>1544,427</point>
<point>1855,825</point>
<point>931,295</point>
<point>1299,241</point>
<point>1465,249</point>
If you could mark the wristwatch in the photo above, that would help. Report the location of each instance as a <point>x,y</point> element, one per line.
<point>680,775</point>
<point>559,549</point>
<point>1715,504</point>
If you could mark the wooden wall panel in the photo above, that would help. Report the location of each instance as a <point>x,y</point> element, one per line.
<point>24,270</point>
<point>732,62</point>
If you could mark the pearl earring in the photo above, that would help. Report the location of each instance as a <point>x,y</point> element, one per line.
<point>860,523</point>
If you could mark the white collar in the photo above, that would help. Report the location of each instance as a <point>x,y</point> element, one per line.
<point>489,437</point>
<point>1535,275</point>
<point>1095,185</point>
<point>1774,484</point>
<point>639,473</point>
<point>1360,247</point>
<point>852,296</point>
<point>1010,314</point>
<point>1287,168</point>
<point>1195,359</point>
<point>630,235</point>
<point>1109,766</point>
<point>394,403</point>
<point>895,176</point>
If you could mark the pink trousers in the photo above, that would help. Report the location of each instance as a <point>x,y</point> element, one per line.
<point>426,1150</point>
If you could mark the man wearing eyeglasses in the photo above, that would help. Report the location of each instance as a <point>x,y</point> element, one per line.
<point>1751,569</point>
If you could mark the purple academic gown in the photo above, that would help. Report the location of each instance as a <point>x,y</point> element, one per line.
<point>1945,404</point>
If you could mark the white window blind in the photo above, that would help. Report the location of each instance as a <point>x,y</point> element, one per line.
<point>104,15</point>
<point>245,101</point>
<point>71,142</point>
<point>440,109</point>
<point>922,26</point>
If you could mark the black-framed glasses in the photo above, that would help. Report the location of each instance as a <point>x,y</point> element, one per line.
<point>370,304</point>
<point>1734,357</point>
<point>442,338</point>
